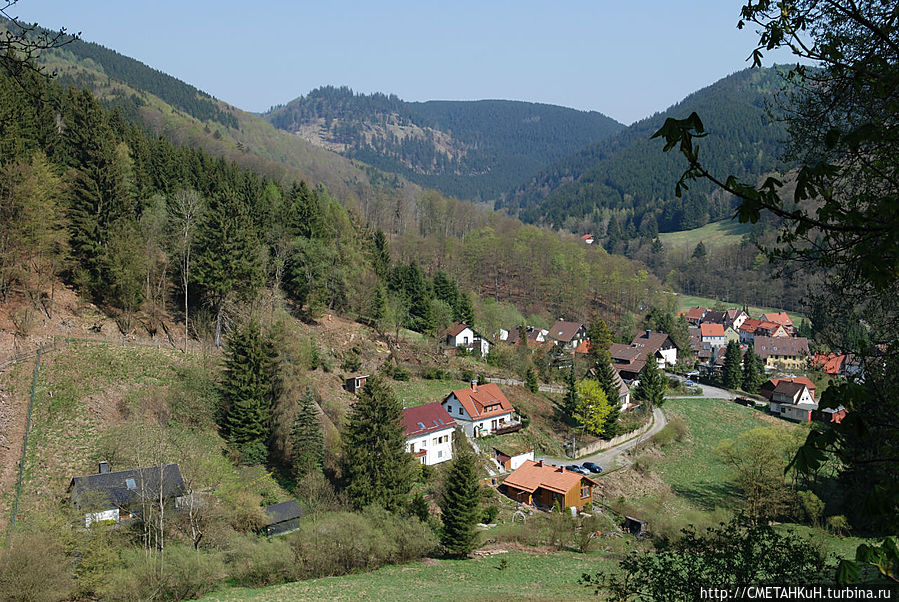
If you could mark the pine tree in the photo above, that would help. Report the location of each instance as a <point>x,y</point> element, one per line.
<point>465,309</point>
<point>570,402</point>
<point>605,374</point>
<point>376,467</point>
<point>247,389</point>
<point>530,380</point>
<point>732,366</point>
<point>306,437</point>
<point>460,502</point>
<point>652,385</point>
<point>753,371</point>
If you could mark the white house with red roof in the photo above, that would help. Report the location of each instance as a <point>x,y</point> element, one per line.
<point>462,335</point>
<point>429,433</point>
<point>481,410</point>
<point>781,318</point>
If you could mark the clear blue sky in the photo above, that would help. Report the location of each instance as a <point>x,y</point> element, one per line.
<point>625,59</point>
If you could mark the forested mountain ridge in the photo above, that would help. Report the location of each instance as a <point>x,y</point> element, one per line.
<point>469,149</point>
<point>630,179</point>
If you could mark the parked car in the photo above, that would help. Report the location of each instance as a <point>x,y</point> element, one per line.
<point>692,374</point>
<point>594,468</point>
<point>689,383</point>
<point>577,469</point>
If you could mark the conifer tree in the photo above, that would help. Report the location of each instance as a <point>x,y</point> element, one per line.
<point>376,467</point>
<point>732,366</point>
<point>247,389</point>
<point>530,380</point>
<point>465,309</point>
<point>652,385</point>
<point>605,374</point>
<point>753,371</point>
<point>460,502</point>
<point>306,437</point>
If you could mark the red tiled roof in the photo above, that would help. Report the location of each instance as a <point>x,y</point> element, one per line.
<point>802,380</point>
<point>486,396</point>
<point>709,329</point>
<point>750,325</point>
<point>455,329</point>
<point>586,236</point>
<point>779,317</point>
<point>532,475</point>
<point>830,362</point>
<point>427,418</point>
<point>696,313</point>
<point>584,347</point>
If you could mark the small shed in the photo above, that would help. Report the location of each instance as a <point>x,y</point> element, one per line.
<point>635,526</point>
<point>282,518</point>
<point>354,383</point>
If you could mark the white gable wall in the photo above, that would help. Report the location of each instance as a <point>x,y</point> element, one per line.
<point>437,444</point>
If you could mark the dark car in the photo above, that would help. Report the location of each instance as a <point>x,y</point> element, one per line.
<point>595,468</point>
<point>576,468</point>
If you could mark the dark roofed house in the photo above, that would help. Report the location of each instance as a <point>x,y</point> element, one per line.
<point>714,317</point>
<point>628,361</point>
<point>657,345</point>
<point>119,495</point>
<point>282,518</point>
<point>568,334</point>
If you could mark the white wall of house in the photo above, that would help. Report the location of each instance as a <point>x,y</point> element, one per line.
<point>516,461</point>
<point>99,517</point>
<point>482,426</point>
<point>438,446</point>
<point>464,338</point>
<point>797,413</point>
<point>738,321</point>
<point>669,356</point>
<point>715,341</point>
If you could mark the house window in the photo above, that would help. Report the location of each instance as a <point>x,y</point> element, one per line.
<point>436,440</point>
<point>424,443</point>
<point>440,454</point>
<point>460,411</point>
<point>585,490</point>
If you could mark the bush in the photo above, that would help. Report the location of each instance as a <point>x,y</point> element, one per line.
<point>253,453</point>
<point>257,562</point>
<point>675,430</point>
<point>34,567</point>
<point>467,375</point>
<point>195,399</point>
<point>183,574</point>
<point>490,514</point>
<point>351,363</point>
<point>432,373</point>
<point>644,464</point>
<point>400,373</point>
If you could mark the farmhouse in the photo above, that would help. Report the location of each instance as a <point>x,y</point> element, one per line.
<point>792,400</point>
<point>787,353</point>
<point>120,495</point>
<point>429,433</point>
<point>657,345</point>
<point>482,410</point>
<point>568,334</point>
<point>542,485</point>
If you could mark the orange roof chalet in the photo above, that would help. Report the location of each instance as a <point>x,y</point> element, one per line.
<point>483,401</point>
<point>710,329</point>
<point>533,475</point>
<point>779,317</point>
<point>830,363</point>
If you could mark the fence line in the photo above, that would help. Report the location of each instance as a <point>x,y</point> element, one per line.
<point>15,507</point>
<point>598,446</point>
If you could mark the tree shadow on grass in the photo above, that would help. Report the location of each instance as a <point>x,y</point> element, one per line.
<point>707,495</point>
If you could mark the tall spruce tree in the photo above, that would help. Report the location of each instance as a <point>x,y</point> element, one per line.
<point>653,385</point>
<point>307,438</point>
<point>376,467</point>
<point>530,380</point>
<point>753,371</point>
<point>733,373</point>
<point>460,501</point>
<point>247,389</point>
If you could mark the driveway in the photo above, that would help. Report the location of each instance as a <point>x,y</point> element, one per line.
<point>708,391</point>
<point>607,458</point>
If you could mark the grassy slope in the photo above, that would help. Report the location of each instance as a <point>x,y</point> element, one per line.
<point>714,235</point>
<point>685,302</point>
<point>527,576</point>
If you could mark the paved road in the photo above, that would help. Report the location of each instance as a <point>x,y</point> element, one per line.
<point>607,458</point>
<point>707,391</point>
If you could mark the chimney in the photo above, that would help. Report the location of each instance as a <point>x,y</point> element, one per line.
<point>474,385</point>
<point>648,332</point>
<point>540,463</point>
<point>103,468</point>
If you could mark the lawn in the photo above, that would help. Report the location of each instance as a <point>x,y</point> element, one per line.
<point>716,234</point>
<point>417,392</point>
<point>691,467</point>
<point>685,302</point>
<point>528,576</point>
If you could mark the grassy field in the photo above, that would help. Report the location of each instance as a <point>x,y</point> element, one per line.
<point>685,302</point>
<point>717,234</point>
<point>417,392</point>
<point>691,467</point>
<point>526,576</point>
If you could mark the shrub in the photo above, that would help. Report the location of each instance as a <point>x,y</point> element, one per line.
<point>400,373</point>
<point>490,514</point>
<point>432,373</point>
<point>258,562</point>
<point>34,567</point>
<point>644,464</point>
<point>467,375</point>
<point>182,574</point>
<point>675,430</point>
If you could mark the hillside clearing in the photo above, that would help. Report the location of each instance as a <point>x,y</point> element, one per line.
<point>713,236</point>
